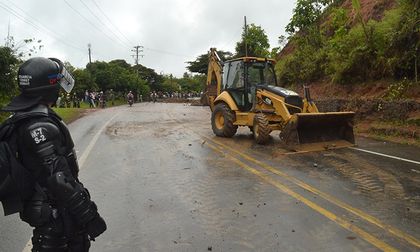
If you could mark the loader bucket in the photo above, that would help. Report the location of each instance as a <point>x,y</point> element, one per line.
<point>319,131</point>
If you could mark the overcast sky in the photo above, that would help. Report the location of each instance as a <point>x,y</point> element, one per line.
<point>171,31</point>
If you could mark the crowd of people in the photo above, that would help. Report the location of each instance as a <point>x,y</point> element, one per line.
<point>93,98</point>
<point>180,95</point>
<point>101,99</point>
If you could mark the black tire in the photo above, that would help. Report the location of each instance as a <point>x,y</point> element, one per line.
<point>261,129</point>
<point>222,119</point>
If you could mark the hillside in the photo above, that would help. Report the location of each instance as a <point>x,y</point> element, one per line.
<point>370,9</point>
<point>359,55</point>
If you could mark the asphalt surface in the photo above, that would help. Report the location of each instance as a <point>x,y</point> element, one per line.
<point>164,182</point>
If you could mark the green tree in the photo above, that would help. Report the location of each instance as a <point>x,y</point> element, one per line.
<point>84,81</point>
<point>117,75</point>
<point>192,83</point>
<point>8,66</point>
<point>305,14</point>
<point>170,84</point>
<point>404,51</point>
<point>256,41</point>
<point>121,63</point>
<point>149,75</point>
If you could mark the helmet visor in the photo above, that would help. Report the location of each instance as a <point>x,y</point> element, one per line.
<point>66,80</point>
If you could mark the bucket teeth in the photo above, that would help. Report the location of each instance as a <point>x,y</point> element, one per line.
<point>311,131</point>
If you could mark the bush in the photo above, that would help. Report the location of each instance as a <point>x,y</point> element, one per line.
<point>366,51</point>
<point>306,64</point>
<point>397,90</point>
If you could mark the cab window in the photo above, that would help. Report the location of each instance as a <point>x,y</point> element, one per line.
<point>235,76</point>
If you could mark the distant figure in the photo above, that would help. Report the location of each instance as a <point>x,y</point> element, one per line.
<point>130,98</point>
<point>58,102</point>
<point>154,96</point>
<point>91,100</point>
<point>102,99</point>
<point>75,101</point>
<point>86,97</point>
<point>111,96</point>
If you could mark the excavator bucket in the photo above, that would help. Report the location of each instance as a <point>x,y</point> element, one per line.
<point>319,131</point>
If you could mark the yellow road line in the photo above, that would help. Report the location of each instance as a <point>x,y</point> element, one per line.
<point>340,221</point>
<point>392,230</point>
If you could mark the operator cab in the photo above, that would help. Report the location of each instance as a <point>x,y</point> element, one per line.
<point>242,77</point>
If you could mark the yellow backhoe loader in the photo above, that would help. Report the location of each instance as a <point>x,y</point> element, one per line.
<point>244,92</point>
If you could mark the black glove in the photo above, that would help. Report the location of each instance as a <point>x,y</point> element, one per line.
<point>95,227</point>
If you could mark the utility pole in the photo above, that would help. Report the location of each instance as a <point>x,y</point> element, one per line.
<point>246,35</point>
<point>8,41</point>
<point>137,49</point>
<point>89,50</point>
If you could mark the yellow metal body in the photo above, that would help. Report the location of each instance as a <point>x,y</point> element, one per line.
<point>214,78</point>
<point>301,127</point>
<point>226,98</point>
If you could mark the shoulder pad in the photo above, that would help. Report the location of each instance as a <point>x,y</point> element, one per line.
<point>40,133</point>
<point>38,111</point>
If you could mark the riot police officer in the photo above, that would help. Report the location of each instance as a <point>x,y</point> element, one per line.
<point>58,206</point>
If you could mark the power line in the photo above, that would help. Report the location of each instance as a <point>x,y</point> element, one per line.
<point>30,16</point>
<point>147,48</point>
<point>39,27</point>
<point>165,52</point>
<point>87,20</point>
<point>100,21</point>
<point>109,20</point>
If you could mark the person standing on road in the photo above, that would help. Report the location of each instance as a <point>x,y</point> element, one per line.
<point>130,98</point>
<point>91,100</point>
<point>53,201</point>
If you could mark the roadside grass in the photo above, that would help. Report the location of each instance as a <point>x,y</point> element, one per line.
<point>71,114</point>
<point>395,131</point>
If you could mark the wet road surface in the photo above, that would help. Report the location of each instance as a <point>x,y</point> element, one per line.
<point>164,182</point>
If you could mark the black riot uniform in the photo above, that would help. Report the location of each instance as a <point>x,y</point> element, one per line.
<point>58,206</point>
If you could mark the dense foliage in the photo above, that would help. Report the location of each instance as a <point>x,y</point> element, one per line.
<point>8,63</point>
<point>256,42</point>
<point>339,44</point>
<point>257,46</point>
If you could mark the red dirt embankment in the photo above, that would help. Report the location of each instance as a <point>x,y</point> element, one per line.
<point>376,115</point>
<point>369,9</point>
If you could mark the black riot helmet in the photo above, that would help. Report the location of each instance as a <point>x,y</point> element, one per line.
<point>39,80</point>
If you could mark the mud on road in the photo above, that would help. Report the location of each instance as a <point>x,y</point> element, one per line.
<point>179,188</point>
<point>164,182</point>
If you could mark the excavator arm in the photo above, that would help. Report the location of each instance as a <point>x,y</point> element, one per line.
<point>214,78</point>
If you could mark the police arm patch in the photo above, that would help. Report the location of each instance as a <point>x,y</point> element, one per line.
<point>38,135</point>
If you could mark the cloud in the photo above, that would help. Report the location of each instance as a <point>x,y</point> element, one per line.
<point>172,32</point>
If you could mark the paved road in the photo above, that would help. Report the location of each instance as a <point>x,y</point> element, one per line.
<point>164,182</point>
